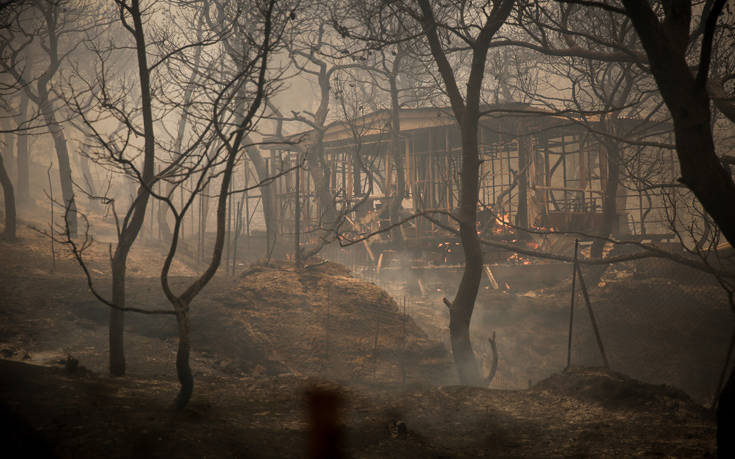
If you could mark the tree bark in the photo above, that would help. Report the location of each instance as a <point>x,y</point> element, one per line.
<point>183,369</point>
<point>460,314</point>
<point>320,173</point>
<point>702,172</point>
<point>182,302</point>
<point>130,230</point>
<point>397,153</point>
<point>9,197</point>
<point>315,155</point>
<point>23,159</point>
<point>467,113</point>
<point>117,317</point>
<point>94,204</point>
<point>689,104</point>
<point>726,419</point>
<point>62,155</point>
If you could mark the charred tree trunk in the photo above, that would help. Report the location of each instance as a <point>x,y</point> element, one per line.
<point>23,160</point>
<point>182,302</point>
<point>686,97</point>
<point>136,213</point>
<point>183,369</point>
<point>203,217</point>
<point>467,113</point>
<point>162,216</point>
<point>62,154</point>
<point>460,314</point>
<point>117,316</point>
<point>320,173</point>
<point>315,155</point>
<point>9,197</point>
<point>88,180</point>
<point>397,153</point>
<point>726,419</point>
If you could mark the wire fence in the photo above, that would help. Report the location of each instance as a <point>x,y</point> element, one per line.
<point>656,320</point>
<point>653,319</point>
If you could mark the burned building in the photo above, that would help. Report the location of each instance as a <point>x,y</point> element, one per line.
<point>538,170</point>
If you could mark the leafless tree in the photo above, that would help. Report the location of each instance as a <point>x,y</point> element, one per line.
<point>9,198</point>
<point>117,150</point>
<point>665,36</point>
<point>55,29</point>
<point>676,37</point>
<point>448,27</point>
<point>245,90</point>
<point>389,59</point>
<point>312,55</point>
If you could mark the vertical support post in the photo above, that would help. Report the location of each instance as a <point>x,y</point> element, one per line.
<point>247,199</point>
<point>199,233</point>
<point>150,207</point>
<point>389,173</point>
<point>547,175</point>
<point>191,217</point>
<point>447,153</point>
<point>567,207</point>
<point>275,196</point>
<point>228,239</point>
<point>52,229</point>
<point>592,317</point>
<point>584,170</point>
<point>524,156</point>
<point>350,176</point>
<point>238,230</point>
<point>297,215</point>
<point>181,199</point>
<point>326,330</point>
<point>403,350</point>
<point>571,305</point>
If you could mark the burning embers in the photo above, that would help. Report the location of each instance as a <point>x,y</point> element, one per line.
<point>518,259</point>
<point>503,225</point>
<point>449,250</point>
<point>493,224</point>
<point>500,227</point>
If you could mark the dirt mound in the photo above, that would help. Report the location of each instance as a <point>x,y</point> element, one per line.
<point>98,416</point>
<point>615,391</point>
<point>316,321</point>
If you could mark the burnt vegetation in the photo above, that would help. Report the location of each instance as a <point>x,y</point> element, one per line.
<point>278,228</point>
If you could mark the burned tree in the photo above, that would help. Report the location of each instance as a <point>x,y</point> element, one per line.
<point>311,52</point>
<point>56,29</point>
<point>390,60</point>
<point>673,34</point>
<point>234,110</point>
<point>473,26</point>
<point>9,198</point>
<point>115,151</point>
<point>686,96</point>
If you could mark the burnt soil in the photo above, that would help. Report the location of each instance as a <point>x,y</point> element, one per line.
<point>262,339</point>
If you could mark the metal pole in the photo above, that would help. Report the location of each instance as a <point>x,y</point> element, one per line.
<point>297,216</point>
<point>592,317</point>
<point>571,306</point>
<point>403,344</point>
